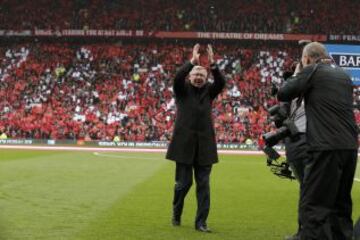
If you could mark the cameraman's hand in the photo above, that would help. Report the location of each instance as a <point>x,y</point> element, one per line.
<point>195,60</point>
<point>210,52</point>
<point>298,69</point>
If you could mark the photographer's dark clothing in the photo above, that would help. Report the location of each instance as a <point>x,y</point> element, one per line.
<point>193,124</point>
<point>296,146</point>
<point>297,155</point>
<point>193,144</point>
<point>328,106</point>
<point>326,206</point>
<point>331,134</point>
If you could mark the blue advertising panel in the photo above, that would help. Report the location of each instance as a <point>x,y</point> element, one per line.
<point>347,57</point>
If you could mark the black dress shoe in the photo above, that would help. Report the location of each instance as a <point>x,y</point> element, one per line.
<point>175,222</point>
<point>203,228</point>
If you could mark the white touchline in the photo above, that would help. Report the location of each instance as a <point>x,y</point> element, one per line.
<point>132,150</point>
<point>124,157</point>
<point>114,149</point>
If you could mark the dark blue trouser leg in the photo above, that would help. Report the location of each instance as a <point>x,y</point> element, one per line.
<point>202,178</point>
<point>183,182</point>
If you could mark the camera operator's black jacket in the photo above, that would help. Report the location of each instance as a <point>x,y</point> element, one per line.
<point>194,135</point>
<point>328,95</point>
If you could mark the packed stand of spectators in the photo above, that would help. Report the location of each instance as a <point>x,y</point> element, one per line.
<point>102,91</point>
<point>261,16</point>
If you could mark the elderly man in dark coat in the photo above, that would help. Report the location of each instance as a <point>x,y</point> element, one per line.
<point>193,144</point>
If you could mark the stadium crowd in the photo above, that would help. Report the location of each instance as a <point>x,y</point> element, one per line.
<point>102,91</point>
<point>315,16</point>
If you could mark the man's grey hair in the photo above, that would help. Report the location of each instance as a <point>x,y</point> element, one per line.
<point>315,50</point>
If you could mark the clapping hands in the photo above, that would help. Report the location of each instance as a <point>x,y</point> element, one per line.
<point>195,59</point>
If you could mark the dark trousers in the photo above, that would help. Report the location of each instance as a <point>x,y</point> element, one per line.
<point>183,182</point>
<point>297,155</point>
<point>325,204</point>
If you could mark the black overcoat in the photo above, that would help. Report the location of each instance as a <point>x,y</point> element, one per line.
<point>193,140</point>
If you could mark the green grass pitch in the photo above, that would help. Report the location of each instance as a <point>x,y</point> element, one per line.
<point>118,196</point>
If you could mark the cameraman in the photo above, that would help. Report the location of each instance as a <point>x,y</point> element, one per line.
<point>331,134</point>
<point>297,148</point>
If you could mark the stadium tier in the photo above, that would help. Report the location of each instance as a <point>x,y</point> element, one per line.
<point>103,90</point>
<point>99,91</point>
<point>294,16</point>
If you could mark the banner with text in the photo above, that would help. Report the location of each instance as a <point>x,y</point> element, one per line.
<point>344,38</point>
<point>162,34</point>
<point>182,35</point>
<point>347,57</point>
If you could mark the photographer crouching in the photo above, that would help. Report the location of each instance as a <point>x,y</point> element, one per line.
<point>331,135</point>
